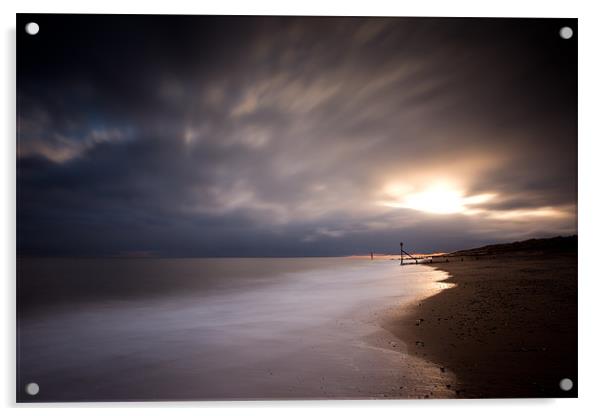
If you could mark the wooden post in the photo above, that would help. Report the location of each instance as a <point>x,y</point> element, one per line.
<point>372,255</point>
<point>401,254</point>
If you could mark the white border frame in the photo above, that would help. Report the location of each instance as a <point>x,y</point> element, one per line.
<point>590,207</point>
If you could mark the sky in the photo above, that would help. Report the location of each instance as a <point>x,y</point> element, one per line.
<point>185,136</point>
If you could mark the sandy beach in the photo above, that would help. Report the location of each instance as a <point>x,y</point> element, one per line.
<point>508,326</point>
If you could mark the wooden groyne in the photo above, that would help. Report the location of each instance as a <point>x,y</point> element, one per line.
<point>438,258</point>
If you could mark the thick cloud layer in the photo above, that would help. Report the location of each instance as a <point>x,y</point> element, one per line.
<point>255,136</point>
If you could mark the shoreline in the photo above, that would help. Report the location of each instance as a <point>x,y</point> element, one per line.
<point>507,328</point>
<point>311,334</point>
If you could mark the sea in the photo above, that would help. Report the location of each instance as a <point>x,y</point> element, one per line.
<point>220,329</point>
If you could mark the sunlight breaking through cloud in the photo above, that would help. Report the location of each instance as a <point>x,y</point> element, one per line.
<point>436,199</point>
<point>276,136</point>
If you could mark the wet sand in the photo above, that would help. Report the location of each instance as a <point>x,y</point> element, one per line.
<point>507,328</point>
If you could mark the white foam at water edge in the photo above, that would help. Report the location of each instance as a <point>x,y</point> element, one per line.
<point>313,333</point>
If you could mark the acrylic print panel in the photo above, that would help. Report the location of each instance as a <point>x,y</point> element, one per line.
<point>228,207</point>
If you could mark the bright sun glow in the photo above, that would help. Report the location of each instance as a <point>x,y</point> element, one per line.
<point>438,199</point>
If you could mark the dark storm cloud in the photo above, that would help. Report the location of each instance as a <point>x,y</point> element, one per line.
<point>187,136</point>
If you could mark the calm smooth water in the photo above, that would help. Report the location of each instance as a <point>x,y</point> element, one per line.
<point>186,329</point>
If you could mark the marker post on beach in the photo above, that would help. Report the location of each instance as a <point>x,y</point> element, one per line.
<point>401,254</point>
